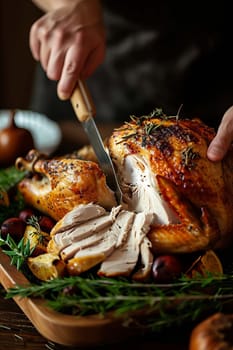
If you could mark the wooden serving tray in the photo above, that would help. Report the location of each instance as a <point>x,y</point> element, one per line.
<point>83,331</point>
<point>60,328</point>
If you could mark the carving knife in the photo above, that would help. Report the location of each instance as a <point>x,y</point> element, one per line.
<point>84,109</point>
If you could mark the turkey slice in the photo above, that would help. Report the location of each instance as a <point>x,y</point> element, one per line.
<point>83,228</point>
<point>88,257</point>
<point>81,213</point>
<point>87,235</point>
<point>124,259</point>
<point>147,258</point>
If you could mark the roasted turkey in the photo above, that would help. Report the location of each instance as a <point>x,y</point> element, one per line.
<point>56,186</point>
<point>181,201</point>
<point>163,169</point>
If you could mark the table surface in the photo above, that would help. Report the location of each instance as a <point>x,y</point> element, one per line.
<point>17,332</point>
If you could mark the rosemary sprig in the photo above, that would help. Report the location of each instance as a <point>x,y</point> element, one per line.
<point>94,284</point>
<point>100,295</point>
<point>18,252</point>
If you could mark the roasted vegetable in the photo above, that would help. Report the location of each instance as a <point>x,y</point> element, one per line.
<point>46,266</point>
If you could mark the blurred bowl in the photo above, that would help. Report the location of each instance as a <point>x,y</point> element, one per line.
<point>46,133</point>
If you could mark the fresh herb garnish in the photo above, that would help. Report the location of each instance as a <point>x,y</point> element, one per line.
<point>142,127</point>
<point>18,252</point>
<point>161,303</point>
<point>158,113</point>
<point>188,156</point>
<point>150,128</point>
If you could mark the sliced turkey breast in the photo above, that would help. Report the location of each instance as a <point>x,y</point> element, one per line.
<point>83,231</point>
<point>90,256</point>
<point>81,228</point>
<point>92,240</point>
<point>146,261</point>
<point>124,259</point>
<point>79,214</point>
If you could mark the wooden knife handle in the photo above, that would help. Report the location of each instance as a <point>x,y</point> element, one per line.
<point>82,102</point>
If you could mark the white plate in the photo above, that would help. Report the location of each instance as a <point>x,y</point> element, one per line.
<point>46,132</point>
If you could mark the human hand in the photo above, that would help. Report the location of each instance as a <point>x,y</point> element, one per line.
<point>69,42</point>
<point>223,139</point>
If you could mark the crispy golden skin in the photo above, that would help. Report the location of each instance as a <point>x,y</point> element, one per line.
<point>55,186</point>
<point>199,191</point>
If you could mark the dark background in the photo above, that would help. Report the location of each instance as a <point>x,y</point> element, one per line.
<point>16,62</point>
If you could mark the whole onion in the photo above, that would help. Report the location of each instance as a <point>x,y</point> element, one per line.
<point>14,142</point>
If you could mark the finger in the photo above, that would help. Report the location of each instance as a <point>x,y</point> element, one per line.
<point>46,43</point>
<point>54,66</point>
<point>56,58</point>
<point>94,59</point>
<point>218,149</point>
<point>34,42</point>
<point>223,139</point>
<point>73,64</point>
<point>41,40</point>
<point>44,55</point>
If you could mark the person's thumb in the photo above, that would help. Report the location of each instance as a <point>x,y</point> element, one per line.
<point>223,139</point>
<point>218,148</point>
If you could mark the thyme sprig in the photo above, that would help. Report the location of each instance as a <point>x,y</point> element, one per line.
<point>150,128</point>
<point>188,156</point>
<point>144,127</point>
<point>34,221</point>
<point>158,112</point>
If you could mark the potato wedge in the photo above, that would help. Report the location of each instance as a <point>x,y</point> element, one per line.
<point>46,266</point>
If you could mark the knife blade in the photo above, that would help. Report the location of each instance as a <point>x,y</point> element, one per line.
<point>85,111</point>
